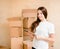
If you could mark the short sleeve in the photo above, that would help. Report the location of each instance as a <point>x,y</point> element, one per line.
<point>51,29</point>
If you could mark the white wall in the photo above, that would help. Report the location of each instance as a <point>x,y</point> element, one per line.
<point>54,17</point>
<point>4,31</point>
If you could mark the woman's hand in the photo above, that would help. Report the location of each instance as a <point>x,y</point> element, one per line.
<point>48,39</point>
<point>39,37</point>
<point>31,34</point>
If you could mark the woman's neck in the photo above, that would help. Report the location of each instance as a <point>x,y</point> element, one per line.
<point>43,20</point>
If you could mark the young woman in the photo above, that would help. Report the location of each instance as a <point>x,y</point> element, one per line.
<point>43,30</point>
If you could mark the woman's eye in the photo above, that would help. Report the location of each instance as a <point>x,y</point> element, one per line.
<point>39,13</point>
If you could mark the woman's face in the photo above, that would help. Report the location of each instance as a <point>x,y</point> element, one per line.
<point>40,15</point>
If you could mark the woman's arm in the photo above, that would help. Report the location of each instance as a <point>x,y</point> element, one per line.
<point>31,34</point>
<point>49,39</point>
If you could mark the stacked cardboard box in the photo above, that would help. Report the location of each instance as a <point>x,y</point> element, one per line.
<point>26,34</point>
<point>29,16</point>
<point>17,43</point>
<point>27,44</point>
<point>29,12</point>
<point>16,26</point>
<point>27,21</point>
<point>16,32</point>
<point>20,27</point>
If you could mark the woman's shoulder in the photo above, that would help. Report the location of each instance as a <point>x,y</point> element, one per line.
<point>50,23</point>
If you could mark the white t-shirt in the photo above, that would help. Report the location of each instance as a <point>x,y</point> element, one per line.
<point>43,29</point>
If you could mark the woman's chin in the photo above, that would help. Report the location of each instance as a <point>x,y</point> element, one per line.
<point>41,19</point>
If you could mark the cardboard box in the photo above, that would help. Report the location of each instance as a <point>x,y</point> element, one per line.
<point>14,19</point>
<point>15,22</point>
<point>26,34</point>
<point>27,44</point>
<point>28,21</point>
<point>26,31</point>
<point>16,32</point>
<point>29,12</point>
<point>17,43</point>
<point>29,16</point>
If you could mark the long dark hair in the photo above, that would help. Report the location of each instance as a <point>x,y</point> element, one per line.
<point>36,23</point>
